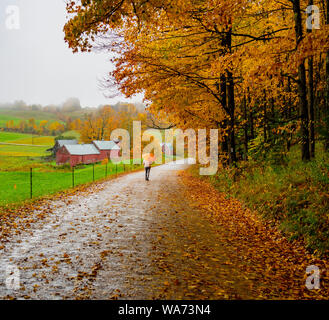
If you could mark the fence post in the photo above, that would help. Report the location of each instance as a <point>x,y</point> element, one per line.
<point>72,177</point>
<point>93,171</point>
<point>31,184</point>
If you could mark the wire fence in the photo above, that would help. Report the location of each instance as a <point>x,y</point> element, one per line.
<point>17,186</point>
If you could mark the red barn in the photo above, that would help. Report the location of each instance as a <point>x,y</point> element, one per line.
<point>77,154</point>
<point>107,149</point>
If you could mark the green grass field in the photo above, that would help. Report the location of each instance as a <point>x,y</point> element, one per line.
<point>12,136</point>
<point>18,115</point>
<point>7,114</point>
<point>23,151</point>
<point>5,117</point>
<point>72,133</point>
<point>36,140</point>
<point>23,138</point>
<point>15,185</point>
<point>10,163</point>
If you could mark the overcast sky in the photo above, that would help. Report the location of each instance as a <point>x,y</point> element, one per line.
<point>37,66</point>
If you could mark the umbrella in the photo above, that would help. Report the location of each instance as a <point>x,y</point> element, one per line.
<point>149,157</point>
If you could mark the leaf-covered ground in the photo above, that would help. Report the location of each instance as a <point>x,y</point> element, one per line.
<point>276,267</point>
<point>173,237</point>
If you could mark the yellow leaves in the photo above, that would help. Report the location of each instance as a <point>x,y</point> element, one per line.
<point>44,262</point>
<point>272,266</point>
<point>54,269</point>
<point>105,161</point>
<point>105,253</point>
<point>66,258</point>
<point>192,287</point>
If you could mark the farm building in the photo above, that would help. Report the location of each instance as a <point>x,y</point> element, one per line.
<point>76,154</point>
<point>87,153</point>
<point>108,149</point>
<point>61,143</point>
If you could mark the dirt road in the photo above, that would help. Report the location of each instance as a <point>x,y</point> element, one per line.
<point>131,239</point>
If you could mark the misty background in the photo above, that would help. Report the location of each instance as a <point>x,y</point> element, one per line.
<point>37,66</point>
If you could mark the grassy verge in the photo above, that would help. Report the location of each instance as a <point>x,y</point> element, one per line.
<point>294,196</point>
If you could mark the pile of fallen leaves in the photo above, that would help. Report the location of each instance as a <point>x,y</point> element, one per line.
<point>279,266</point>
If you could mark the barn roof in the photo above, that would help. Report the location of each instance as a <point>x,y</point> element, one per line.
<point>81,149</point>
<point>63,142</point>
<point>106,145</point>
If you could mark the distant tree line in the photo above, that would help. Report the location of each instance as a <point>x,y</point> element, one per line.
<point>71,116</point>
<point>44,127</point>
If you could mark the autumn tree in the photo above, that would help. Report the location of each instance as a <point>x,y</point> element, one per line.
<point>56,128</point>
<point>239,67</point>
<point>99,125</point>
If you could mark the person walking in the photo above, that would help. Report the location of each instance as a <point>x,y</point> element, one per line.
<point>147,165</point>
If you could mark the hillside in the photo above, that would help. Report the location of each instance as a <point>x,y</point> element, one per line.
<point>7,114</point>
<point>11,114</point>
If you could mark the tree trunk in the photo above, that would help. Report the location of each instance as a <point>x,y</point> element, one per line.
<point>311,107</point>
<point>326,144</point>
<point>225,150</point>
<point>289,116</point>
<point>222,87</point>
<point>251,119</point>
<point>231,106</point>
<point>245,129</point>
<point>311,114</point>
<point>303,105</point>
<point>265,117</point>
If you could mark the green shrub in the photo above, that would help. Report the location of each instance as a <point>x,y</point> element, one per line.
<point>293,194</point>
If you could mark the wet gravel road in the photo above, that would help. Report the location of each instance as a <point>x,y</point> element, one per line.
<point>130,239</point>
